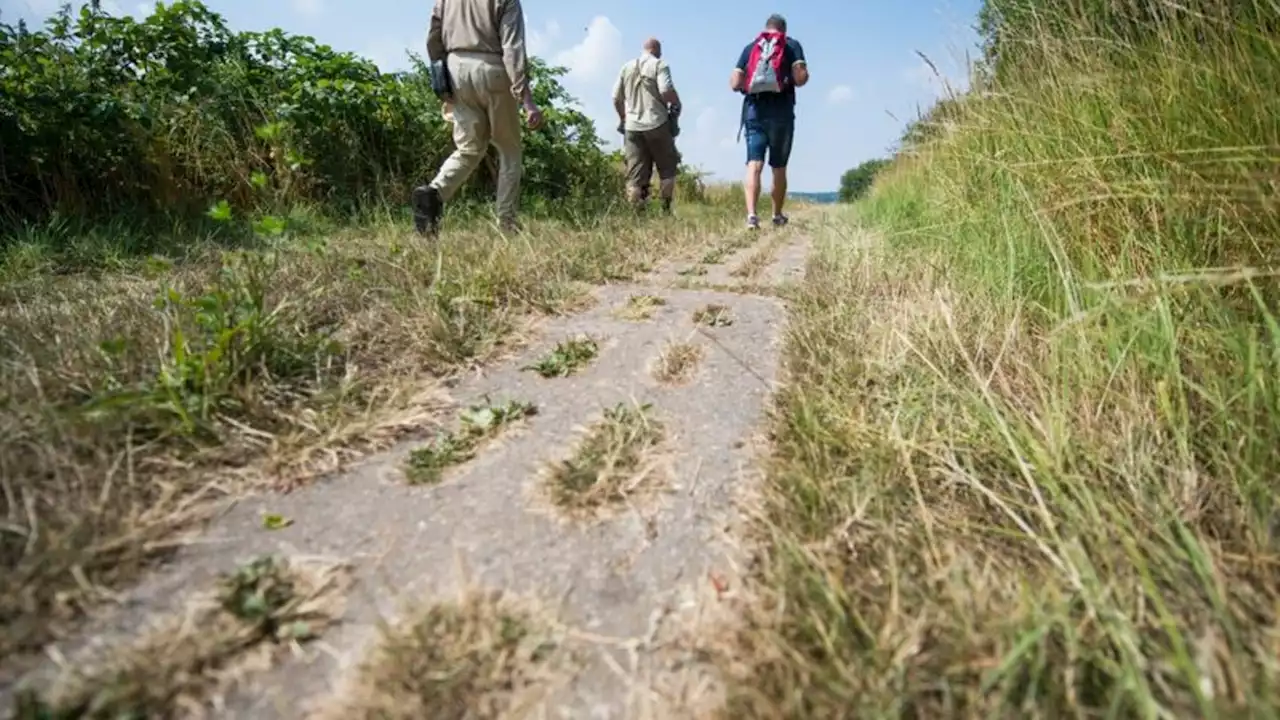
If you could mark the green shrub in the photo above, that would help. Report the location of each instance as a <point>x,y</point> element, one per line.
<point>103,116</point>
<point>857,181</point>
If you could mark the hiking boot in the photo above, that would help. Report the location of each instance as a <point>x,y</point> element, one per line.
<point>666,206</point>
<point>427,209</point>
<point>753,222</point>
<point>780,220</point>
<point>509,226</point>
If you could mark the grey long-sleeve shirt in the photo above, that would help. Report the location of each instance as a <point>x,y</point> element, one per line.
<point>487,26</point>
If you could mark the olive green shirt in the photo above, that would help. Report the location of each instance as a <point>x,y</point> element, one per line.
<point>640,86</point>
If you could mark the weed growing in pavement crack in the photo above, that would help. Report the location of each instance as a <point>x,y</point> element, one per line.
<point>641,307</point>
<point>566,358</point>
<point>478,423</point>
<point>608,465</point>
<point>713,315</point>
<point>474,657</point>
<point>677,362</point>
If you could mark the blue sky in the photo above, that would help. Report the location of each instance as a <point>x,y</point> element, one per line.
<point>866,77</point>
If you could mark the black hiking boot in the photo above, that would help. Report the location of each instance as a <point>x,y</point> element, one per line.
<point>427,209</point>
<point>666,207</point>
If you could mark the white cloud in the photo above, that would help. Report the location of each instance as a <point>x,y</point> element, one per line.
<point>840,95</point>
<point>598,56</point>
<point>540,41</point>
<point>308,7</point>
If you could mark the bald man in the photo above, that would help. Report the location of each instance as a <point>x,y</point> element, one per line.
<point>647,105</point>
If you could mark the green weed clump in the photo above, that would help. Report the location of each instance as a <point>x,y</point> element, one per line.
<point>1027,460</point>
<point>479,423</point>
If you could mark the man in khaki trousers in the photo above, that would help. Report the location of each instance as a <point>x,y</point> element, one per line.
<point>645,98</point>
<point>483,43</point>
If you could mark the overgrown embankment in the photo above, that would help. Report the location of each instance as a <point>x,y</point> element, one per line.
<point>1028,462</point>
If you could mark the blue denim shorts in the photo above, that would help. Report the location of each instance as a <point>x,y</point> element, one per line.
<point>773,136</point>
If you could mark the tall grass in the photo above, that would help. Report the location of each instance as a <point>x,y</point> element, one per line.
<point>1028,463</point>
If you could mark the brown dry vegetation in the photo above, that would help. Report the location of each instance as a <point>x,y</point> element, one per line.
<point>482,656</point>
<point>678,361</point>
<point>610,464</point>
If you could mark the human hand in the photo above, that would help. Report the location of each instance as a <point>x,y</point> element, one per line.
<point>533,116</point>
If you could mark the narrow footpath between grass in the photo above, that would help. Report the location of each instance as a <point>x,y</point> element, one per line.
<point>562,542</point>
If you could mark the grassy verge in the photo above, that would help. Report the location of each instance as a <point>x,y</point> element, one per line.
<point>1027,462</point>
<point>133,393</point>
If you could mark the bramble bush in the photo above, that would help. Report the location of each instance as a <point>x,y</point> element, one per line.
<point>103,116</point>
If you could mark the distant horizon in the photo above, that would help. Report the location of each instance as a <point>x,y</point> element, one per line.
<point>726,183</point>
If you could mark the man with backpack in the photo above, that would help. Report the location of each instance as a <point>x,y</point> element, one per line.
<point>648,107</point>
<point>768,72</point>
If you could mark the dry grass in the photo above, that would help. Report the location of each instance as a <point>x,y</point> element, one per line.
<point>133,395</point>
<point>481,657</point>
<point>188,661</point>
<point>713,315</point>
<point>756,263</point>
<point>609,465</point>
<point>677,362</point>
<point>640,307</point>
<point>784,290</point>
<point>727,247</point>
<point>1026,458</point>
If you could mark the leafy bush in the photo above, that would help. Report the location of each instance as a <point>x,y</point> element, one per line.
<point>102,116</point>
<point>857,181</point>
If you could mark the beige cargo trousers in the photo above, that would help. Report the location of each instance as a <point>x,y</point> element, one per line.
<point>484,112</point>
